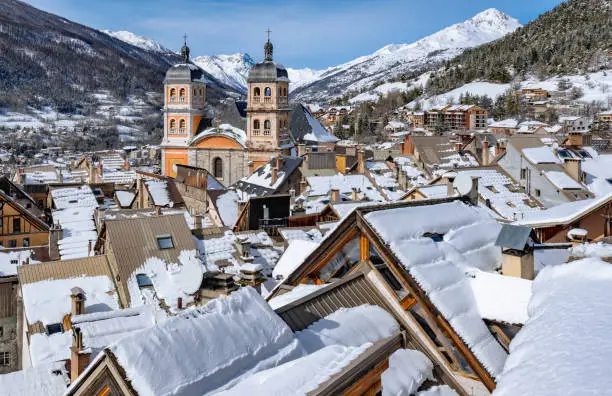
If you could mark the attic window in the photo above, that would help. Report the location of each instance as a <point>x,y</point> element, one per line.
<point>54,328</point>
<point>165,242</point>
<point>14,261</point>
<point>143,280</point>
<point>434,236</point>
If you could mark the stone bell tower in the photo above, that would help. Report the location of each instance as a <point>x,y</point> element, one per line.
<point>267,110</point>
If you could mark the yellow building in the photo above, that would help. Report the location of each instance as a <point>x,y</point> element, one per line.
<point>19,227</point>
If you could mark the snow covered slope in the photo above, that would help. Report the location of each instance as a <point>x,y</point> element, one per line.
<point>396,59</point>
<point>139,41</point>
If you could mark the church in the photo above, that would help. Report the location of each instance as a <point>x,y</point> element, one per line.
<point>229,152</point>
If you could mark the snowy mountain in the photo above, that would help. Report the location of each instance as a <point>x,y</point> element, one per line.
<point>231,69</point>
<point>139,41</point>
<point>394,60</point>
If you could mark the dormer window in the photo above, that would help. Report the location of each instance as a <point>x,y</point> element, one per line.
<point>55,328</point>
<point>165,242</point>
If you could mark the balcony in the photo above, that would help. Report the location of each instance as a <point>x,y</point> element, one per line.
<point>182,131</point>
<point>172,131</point>
<point>256,99</point>
<point>256,132</point>
<point>267,132</point>
<point>267,99</point>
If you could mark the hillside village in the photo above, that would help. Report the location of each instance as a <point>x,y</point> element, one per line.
<point>396,244</point>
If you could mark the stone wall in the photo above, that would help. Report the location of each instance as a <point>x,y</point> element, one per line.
<point>234,163</point>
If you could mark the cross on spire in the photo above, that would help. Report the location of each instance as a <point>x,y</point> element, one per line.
<point>185,38</point>
<point>268,48</point>
<point>268,31</point>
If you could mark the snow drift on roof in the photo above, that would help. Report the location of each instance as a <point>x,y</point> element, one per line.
<point>565,347</point>
<point>294,256</point>
<point>48,379</point>
<point>501,298</point>
<point>407,371</point>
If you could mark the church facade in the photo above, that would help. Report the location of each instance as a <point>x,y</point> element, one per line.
<point>225,151</point>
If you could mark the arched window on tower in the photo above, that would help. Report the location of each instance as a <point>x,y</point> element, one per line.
<point>182,126</point>
<point>173,95</point>
<point>284,91</point>
<point>172,127</point>
<point>182,95</point>
<point>268,91</point>
<point>256,127</point>
<point>218,168</point>
<point>267,127</point>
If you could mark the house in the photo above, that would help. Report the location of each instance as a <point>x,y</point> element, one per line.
<point>456,117</point>
<point>20,227</point>
<point>416,119</point>
<point>459,332</point>
<point>553,224</point>
<point>21,197</point>
<point>575,124</point>
<point>533,94</point>
<point>306,129</point>
<point>552,177</point>
<point>437,154</point>
<point>503,128</point>
<point>278,176</point>
<point>394,126</point>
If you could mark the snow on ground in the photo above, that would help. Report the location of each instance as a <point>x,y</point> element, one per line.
<point>407,371</point>
<point>565,347</point>
<point>474,88</point>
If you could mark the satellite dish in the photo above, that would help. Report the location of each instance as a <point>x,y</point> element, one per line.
<point>463,183</point>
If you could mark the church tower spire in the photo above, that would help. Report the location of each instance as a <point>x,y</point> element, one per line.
<point>268,48</point>
<point>185,50</point>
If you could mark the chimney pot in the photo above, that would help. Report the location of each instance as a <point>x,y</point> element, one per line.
<point>335,195</point>
<point>274,176</point>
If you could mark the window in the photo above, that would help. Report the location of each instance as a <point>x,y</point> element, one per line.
<point>1,331</point>
<point>16,226</point>
<point>173,95</point>
<point>12,243</point>
<point>267,124</point>
<point>54,328</point>
<point>218,168</point>
<point>256,92</point>
<point>165,242</point>
<point>26,242</point>
<point>523,173</point>
<point>342,262</point>
<point>256,124</point>
<point>267,91</point>
<point>172,126</point>
<point>434,236</point>
<point>537,192</point>
<point>143,280</point>
<point>5,358</point>
<point>182,126</point>
<point>182,95</point>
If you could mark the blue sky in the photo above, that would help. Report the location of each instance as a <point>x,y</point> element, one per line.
<point>314,33</point>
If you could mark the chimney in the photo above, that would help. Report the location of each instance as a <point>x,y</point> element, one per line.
<point>89,247</point>
<point>197,221</point>
<point>335,195</point>
<point>274,176</point>
<point>408,145</point>
<point>458,146</point>
<point>354,194</point>
<point>179,303</point>
<point>485,153</point>
<point>573,167</point>
<point>301,149</point>
<point>77,296</point>
<point>517,254</point>
<point>577,236</point>
<point>251,167</point>
<point>92,173</point>
<point>361,165</point>
<point>20,178</point>
<point>79,357</point>
<point>157,210</point>
<point>126,164</point>
<point>499,149</point>
<point>292,197</point>
<point>140,190</point>
<point>279,161</point>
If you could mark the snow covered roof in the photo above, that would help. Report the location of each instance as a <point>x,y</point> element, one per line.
<point>260,182</point>
<point>468,241</point>
<point>564,213</point>
<point>318,133</point>
<point>11,259</point>
<point>407,371</point>
<point>541,155</point>
<point>158,190</point>
<point>499,297</point>
<point>563,347</point>
<point>507,123</point>
<point>74,211</point>
<point>562,180</point>
<point>226,130</point>
<point>228,339</point>
<point>293,257</point>
<point>304,234</point>
<point>46,379</point>
<point>227,206</point>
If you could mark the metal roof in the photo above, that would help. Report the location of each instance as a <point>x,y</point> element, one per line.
<point>133,241</point>
<point>267,71</point>
<point>65,269</point>
<point>513,236</point>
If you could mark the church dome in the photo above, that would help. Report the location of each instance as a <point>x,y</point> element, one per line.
<point>267,71</point>
<point>184,73</point>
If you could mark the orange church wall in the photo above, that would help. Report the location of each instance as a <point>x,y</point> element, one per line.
<point>178,88</point>
<point>177,120</point>
<point>195,123</point>
<point>173,158</point>
<point>218,142</point>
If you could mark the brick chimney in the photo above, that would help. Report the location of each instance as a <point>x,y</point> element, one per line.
<point>79,358</point>
<point>141,191</point>
<point>335,195</point>
<point>361,163</point>
<point>354,194</point>
<point>408,145</point>
<point>301,149</point>
<point>573,167</point>
<point>485,153</point>
<point>458,146</point>
<point>279,161</point>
